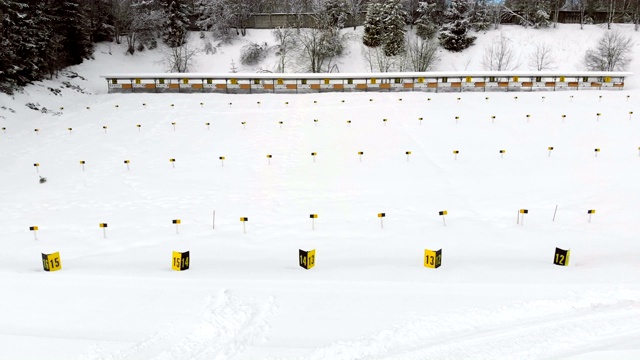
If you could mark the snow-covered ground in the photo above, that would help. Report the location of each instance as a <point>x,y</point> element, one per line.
<point>497,294</point>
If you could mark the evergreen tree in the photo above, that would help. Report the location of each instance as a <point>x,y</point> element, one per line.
<point>454,35</point>
<point>393,28</point>
<point>8,41</point>
<point>373,25</point>
<point>335,12</point>
<point>426,25</point>
<point>175,27</point>
<point>73,35</point>
<point>480,18</point>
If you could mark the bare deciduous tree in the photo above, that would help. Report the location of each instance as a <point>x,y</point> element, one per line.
<point>422,55</point>
<point>317,48</point>
<point>612,52</point>
<point>179,59</point>
<point>499,55</point>
<point>285,38</point>
<point>376,59</point>
<point>541,58</point>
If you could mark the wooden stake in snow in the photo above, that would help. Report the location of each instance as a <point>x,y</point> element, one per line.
<point>222,160</point>
<point>82,163</point>
<point>408,153</point>
<point>591,212</point>
<point>127,163</point>
<point>457,118</point>
<point>522,211</point>
<point>564,117</point>
<point>244,221</point>
<point>176,222</point>
<point>550,148</point>
<point>35,230</point>
<point>104,229</point>
<point>360,153</point>
<point>313,221</point>
<point>382,216</point>
<point>138,126</point>
<point>313,154</point>
<point>269,159</point>
<point>443,213</point>
<point>598,116</point>
<point>630,115</point>
<point>173,162</point>
<point>105,128</point>
<point>528,117</point>
<point>208,125</point>
<point>420,120</point>
<point>493,119</point>
<point>455,154</point>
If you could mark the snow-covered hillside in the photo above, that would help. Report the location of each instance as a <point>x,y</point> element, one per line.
<point>497,294</point>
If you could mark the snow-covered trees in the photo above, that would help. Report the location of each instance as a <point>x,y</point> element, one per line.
<point>384,26</point>
<point>454,35</point>
<point>373,25</point>
<point>175,27</point>
<point>426,24</point>
<point>214,16</point>
<point>37,39</point>
<point>480,15</point>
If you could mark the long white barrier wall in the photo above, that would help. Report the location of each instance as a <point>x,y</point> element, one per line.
<point>235,83</point>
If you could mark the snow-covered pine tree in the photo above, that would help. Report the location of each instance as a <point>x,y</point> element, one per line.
<point>455,32</point>
<point>426,26</point>
<point>9,39</point>
<point>335,13</point>
<point>393,28</point>
<point>373,25</point>
<point>480,17</point>
<point>75,34</point>
<point>216,17</point>
<point>175,28</point>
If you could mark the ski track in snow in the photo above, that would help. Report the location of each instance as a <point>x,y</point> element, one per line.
<point>537,330</point>
<point>225,327</point>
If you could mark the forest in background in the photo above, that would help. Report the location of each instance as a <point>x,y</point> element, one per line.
<point>41,37</point>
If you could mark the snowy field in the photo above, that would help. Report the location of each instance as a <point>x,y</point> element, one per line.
<point>497,295</point>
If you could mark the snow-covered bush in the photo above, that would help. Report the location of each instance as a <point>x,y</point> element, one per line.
<point>253,53</point>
